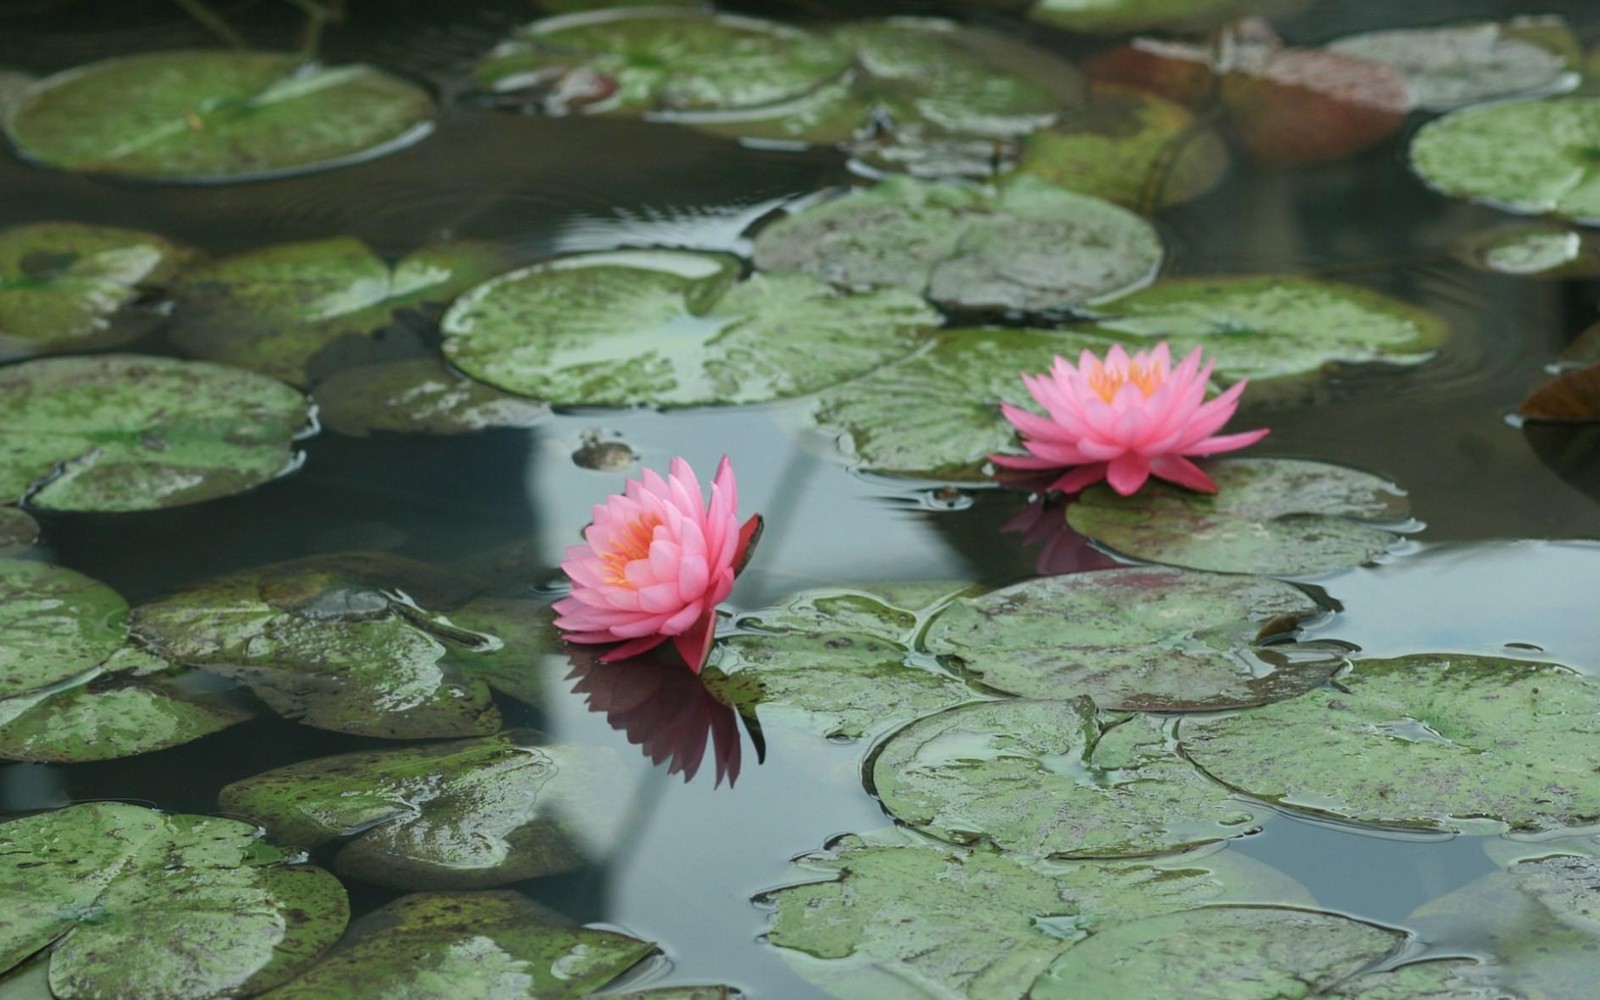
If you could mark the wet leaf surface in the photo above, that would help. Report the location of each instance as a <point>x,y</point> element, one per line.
<point>1154,640</point>
<point>417,396</point>
<point>140,903</point>
<point>18,531</point>
<point>1457,64</point>
<point>65,286</point>
<point>1026,246</point>
<point>55,624</point>
<point>464,814</point>
<point>1428,741</point>
<point>1272,516</point>
<point>671,328</point>
<point>1439,979</point>
<point>1045,779</point>
<point>895,611</point>
<point>275,309</point>
<point>210,116</point>
<point>468,946</point>
<point>1570,397</point>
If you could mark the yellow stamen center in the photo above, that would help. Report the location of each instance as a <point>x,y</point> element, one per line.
<point>629,545</point>
<point>1105,380</point>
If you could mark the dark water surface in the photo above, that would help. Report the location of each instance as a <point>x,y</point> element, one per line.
<point>1502,560</point>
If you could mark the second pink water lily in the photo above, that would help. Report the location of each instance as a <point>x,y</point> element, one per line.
<point>1124,420</point>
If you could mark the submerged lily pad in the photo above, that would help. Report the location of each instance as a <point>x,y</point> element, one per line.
<point>1272,516</point>
<point>1428,741</point>
<point>18,531</point>
<point>138,903</point>
<point>1044,779</point>
<point>65,286</point>
<point>1153,640</point>
<point>1530,157</point>
<point>121,432</point>
<point>209,116</point>
<point>673,328</point>
<point>462,814</point>
<point>1454,64</point>
<point>1025,246</point>
<point>273,310</point>
<point>462,946</point>
<point>1533,251</point>
<point>417,396</point>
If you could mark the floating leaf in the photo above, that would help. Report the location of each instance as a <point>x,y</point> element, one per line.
<point>65,286</point>
<point>138,903</point>
<point>1438,979</point>
<point>1115,17</point>
<point>1564,885</point>
<point>1178,71</point>
<point>1300,106</point>
<point>462,814</point>
<point>210,116</point>
<point>55,624</point>
<point>273,310</point>
<point>1530,157</point>
<point>463,946</point>
<point>1026,246</point>
<point>121,432</point>
<point>1042,778</point>
<point>1455,64</point>
<point>1273,516</point>
<point>18,531</point>
<point>1532,251</point>
<point>672,328</point>
<point>1219,953</point>
<point>1152,640</point>
<point>1570,397</point>
<point>1429,741</point>
<point>675,993</point>
<point>417,396</point>
<point>893,612</point>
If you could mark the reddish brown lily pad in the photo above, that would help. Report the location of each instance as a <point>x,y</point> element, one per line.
<point>1570,397</point>
<point>1300,106</point>
<point>1178,71</point>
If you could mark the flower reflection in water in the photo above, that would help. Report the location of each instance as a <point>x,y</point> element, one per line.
<point>1044,520</point>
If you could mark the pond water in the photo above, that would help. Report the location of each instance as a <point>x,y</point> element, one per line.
<point>1505,565</point>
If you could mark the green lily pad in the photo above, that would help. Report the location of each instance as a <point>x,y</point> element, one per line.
<point>462,814</point>
<point>1115,17</point>
<point>1454,64</point>
<point>55,624</point>
<point>1533,251</point>
<point>1219,953</point>
<point>18,531</point>
<point>1152,640</point>
<point>674,993</point>
<point>672,328</point>
<point>894,611</point>
<point>1564,885</point>
<point>1276,326</point>
<point>138,903</point>
<point>31,979</point>
<point>1272,516</point>
<point>121,432</point>
<point>202,116</point>
<point>65,286</point>
<point>417,396</point>
<point>1428,741</point>
<point>1026,246</point>
<point>1045,779</point>
<point>1529,157</point>
<point>275,309</point>
<point>467,946</point>
<point>1439,979</point>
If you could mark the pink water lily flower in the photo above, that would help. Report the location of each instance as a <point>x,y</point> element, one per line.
<point>1124,420</point>
<point>656,562</point>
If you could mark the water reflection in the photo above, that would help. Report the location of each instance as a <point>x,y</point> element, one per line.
<point>1043,522</point>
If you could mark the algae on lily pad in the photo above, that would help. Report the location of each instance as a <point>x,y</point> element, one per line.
<point>1531,157</point>
<point>464,814</point>
<point>65,286</point>
<point>274,309</point>
<point>467,946</point>
<point>1270,516</point>
<point>1048,779</point>
<point>18,531</point>
<point>1453,64</point>
<point>117,432</point>
<point>1024,246</point>
<point>138,903</point>
<point>673,328</point>
<point>1433,741</point>
<point>417,396</point>
<point>1138,639</point>
<point>214,116</point>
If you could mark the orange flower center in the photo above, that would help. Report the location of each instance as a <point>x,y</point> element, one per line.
<point>1105,381</point>
<point>629,545</point>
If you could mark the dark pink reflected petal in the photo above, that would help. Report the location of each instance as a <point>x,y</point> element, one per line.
<point>1044,522</point>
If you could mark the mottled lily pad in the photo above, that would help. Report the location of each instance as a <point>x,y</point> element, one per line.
<point>1564,885</point>
<point>417,396</point>
<point>1115,17</point>
<point>1427,741</point>
<point>1153,640</point>
<point>673,328</point>
<point>1026,246</point>
<point>467,946</point>
<point>65,286</point>
<point>894,612</point>
<point>18,531</point>
<point>463,814</point>
<point>1533,251</point>
<point>138,903</point>
<point>1438,979</point>
<point>55,624</point>
<point>273,310</point>
<point>1044,779</point>
<point>1529,157</point>
<point>1219,953</point>
<point>209,116</point>
<point>1454,64</point>
<point>120,432</point>
<point>1273,516</point>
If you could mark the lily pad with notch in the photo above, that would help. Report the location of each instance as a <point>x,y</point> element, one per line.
<point>133,902</point>
<point>417,396</point>
<point>673,328</point>
<point>1269,516</point>
<point>1449,65</point>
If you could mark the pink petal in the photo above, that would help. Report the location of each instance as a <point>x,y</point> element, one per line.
<point>1128,473</point>
<point>1080,478</point>
<point>1177,469</point>
<point>633,648</point>
<point>1227,442</point>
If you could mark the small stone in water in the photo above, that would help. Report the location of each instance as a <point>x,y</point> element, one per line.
<point>595,452</point>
